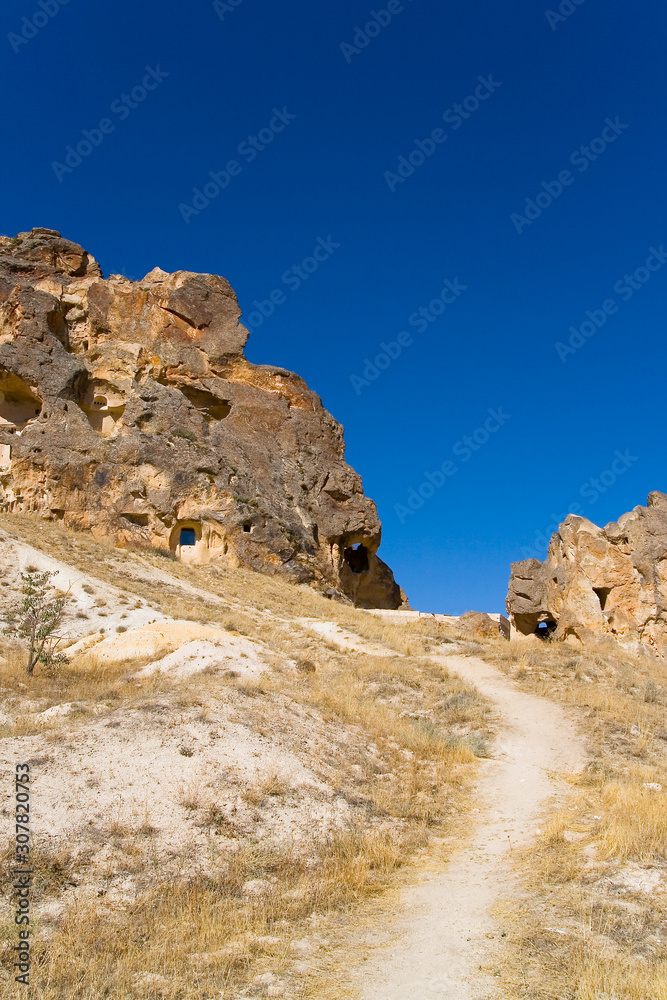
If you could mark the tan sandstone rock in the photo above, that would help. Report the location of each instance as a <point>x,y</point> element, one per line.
<point>598,581</point>
<point>479,625</point>
<point>153,641</point>
<point>129,409</point>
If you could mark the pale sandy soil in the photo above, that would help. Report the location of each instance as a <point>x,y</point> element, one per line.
<point>445,934</point>
<point>185,754</point>
<point>222,760</point>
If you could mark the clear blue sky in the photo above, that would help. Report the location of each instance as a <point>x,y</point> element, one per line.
<point>361,101</point>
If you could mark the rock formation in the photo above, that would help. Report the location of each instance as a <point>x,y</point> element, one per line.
<point>128,409</point>
<point>482,626</point>
<point>598,581</point>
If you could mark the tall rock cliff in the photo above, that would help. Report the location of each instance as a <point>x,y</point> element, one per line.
<point>129,409</point>
<point>598,581</point>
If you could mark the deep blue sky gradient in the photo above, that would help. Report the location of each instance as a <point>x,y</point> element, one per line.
<point>323,176</point>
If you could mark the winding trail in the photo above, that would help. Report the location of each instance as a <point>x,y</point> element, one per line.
<point>441,938</point>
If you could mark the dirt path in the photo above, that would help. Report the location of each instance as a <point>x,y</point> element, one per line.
<point>445,930</point>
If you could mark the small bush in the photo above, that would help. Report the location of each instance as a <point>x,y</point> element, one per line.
<point>182,432</point>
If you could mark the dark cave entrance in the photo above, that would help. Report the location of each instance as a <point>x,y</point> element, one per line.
<point>602,594</point>
<point>544,629</point>
<point>540,624</point>
<point>356,557</point>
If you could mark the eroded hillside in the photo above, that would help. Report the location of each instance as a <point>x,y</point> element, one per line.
<point>225,768</point>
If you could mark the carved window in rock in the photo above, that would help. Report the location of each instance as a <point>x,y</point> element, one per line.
<point>104,409</point>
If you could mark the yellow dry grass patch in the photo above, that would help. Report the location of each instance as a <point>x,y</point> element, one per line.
<point>598,980</point>
<point>579,937</point>
<point>407,733</point>
<point>194,937</point>
<point>635,824</point>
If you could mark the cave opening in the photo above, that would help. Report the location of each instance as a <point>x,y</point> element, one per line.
<point>602,594</point>
<point>211,407</point>
<point>540,624</point>
<point>19,405</point>
<point>139,520</point>
<point>544,629</point>
<point>356,557</point>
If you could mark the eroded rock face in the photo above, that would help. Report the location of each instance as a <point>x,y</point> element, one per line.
<point>598,581</point>
<point>129,409</point>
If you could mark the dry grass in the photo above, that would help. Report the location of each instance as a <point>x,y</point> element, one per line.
<point>252,604</point>
<point>594,925</point>
<point>197,935</point>
<point>392,738</point>
<point>87,686</point>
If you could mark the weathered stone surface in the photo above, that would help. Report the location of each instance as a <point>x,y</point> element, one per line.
<point>479,625</point>
<point>599,581</point>
<point>129,409</point>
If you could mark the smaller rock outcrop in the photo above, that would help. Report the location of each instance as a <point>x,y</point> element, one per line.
<point>598,581</point>
<point>482,626</point>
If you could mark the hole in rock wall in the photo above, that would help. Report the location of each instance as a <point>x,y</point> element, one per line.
<point>103,412</point>
<point>190,544</point>
<point>544,629</point>
<point>18,403</point>
<point>197,543</point>
<point>602,594</point>
<point>211,407</point>
<point>140,520</point>
<point>356,557</point>
<point>247,527</point>
<point>540,624</point>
